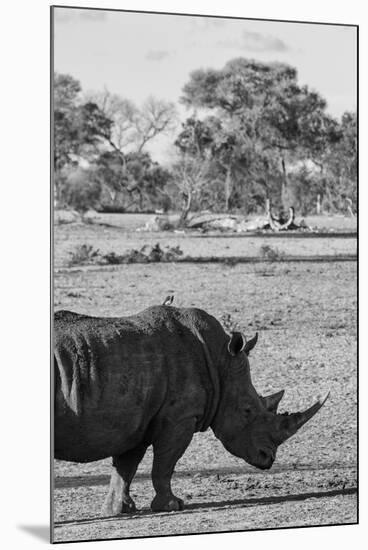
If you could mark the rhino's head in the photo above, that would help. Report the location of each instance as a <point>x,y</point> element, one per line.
<point>247,424</point>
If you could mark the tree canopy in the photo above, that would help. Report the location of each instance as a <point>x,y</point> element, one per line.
<point>253,134</point>
<point>264,117</point>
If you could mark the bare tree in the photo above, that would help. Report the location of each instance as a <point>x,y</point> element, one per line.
<point>155,117</point>
<point>124,115</point>
<point>190,175</point>
<point>133,128</point>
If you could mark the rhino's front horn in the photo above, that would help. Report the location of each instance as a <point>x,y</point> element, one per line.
<point>291,423</point>
<point>271,402</point>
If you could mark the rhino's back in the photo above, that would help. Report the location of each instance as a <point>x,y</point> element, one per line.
<point>113,375</point>
<point>164,327</point>
<point>109,381</point>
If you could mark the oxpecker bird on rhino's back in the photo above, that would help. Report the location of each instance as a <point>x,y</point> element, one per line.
<point>156,378</point>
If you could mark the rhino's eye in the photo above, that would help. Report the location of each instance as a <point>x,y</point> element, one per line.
<point>247,411</point>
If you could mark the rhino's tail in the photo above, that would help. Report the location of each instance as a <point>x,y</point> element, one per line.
<point>168,300</point>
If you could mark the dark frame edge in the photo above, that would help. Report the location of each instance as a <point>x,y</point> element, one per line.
<point>52,477</point>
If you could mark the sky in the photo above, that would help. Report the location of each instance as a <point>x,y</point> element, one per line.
<point>137,55</point>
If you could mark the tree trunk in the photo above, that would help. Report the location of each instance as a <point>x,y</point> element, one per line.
<point>284,197</point>
<point>227,188</point>
<point>318,207</point>
<point>112,194</point>
<point>350,207</point>
<point>185,212</point>
<point>140,199</point>
<point>268,208</point>
<point>56,194</point>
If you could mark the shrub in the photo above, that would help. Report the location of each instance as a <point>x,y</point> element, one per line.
<point>147,254</point>
<point>82,191</point>
<point>83,254</point>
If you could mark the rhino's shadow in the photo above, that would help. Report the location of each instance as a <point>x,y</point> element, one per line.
<point>244,502</point>
<point>259,501</point>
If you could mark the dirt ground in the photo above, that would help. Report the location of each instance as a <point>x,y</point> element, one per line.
<point>306,318</point>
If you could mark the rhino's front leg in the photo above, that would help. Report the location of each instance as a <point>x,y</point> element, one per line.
<point>125,466</point>
<point>167,449</point>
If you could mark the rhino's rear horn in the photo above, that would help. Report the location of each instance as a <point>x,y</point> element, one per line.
<point>291,423</point>
<point>271,402</point>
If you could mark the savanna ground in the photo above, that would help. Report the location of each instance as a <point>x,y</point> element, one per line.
<point>305,313</point>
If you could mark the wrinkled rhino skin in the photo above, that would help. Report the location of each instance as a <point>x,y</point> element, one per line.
<point>155,378</point>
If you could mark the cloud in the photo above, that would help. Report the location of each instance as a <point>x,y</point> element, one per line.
<point>157,55</point>
<point>256,42</point>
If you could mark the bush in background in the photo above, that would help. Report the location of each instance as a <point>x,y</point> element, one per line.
<point>82,191</point>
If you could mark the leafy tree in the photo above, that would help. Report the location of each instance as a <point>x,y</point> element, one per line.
<point>265,114</point>
<point>340,165</point>
<point>148,180</point>
<point>66,92</point>
<point>94,126</point>
<point>111,172</point>
<point>137,183</point>
<point>78,127</point>
<point>196,137</point>
<point>66,132</point>
<point>231,156</point>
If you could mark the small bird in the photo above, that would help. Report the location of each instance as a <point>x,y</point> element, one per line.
<point>168,300</point>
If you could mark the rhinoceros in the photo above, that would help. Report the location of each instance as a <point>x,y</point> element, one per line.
<point>155,378</point>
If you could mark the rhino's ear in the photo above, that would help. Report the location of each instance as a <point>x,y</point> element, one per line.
<point>236,343</point>
<point>251,343</point>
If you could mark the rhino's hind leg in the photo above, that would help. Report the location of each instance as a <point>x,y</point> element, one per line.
<point>118,500</point>
<point>167,450</point>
